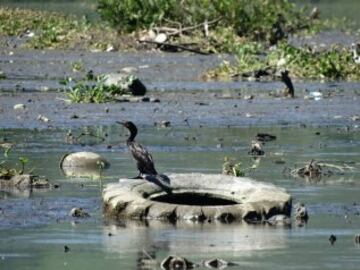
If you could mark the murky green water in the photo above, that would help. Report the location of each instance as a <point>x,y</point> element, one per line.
<point>35,227</point>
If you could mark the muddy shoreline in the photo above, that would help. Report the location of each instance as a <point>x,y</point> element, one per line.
<point>32,79</point>
<point>181,109</point>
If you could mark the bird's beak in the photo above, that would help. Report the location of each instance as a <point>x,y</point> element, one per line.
<point>120,123</point>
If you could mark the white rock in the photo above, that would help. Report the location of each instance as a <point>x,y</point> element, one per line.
<point>43,118</point>
<point>110,48</point>
<point>83,164</point>
<point>160,38</point>
<point>129,69</point>
<point>19,106</point>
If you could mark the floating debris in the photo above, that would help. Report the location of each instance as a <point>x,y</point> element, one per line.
<point>249,97</point>
<point>146,261</point>
<point>357,239</point>
<point>311,170</point>
<point>155,100</point>
<point>129,69</point>
<point>160,38</point>
<point>44,88</point>
<point>265,137</point>
<point>43,118</point>
<point>315,170</point>
<point>173,262</point>
<point>78,212</point>
<point>279,220</point>
<point>110,48</point>
<point>256,149</point>
<point>163,124</point>
<point>19,106</point>
<point>217,263</point>
<point>301,212</point>
<point>200,103</point>
<point>314,95</point>
<point>355,117</point>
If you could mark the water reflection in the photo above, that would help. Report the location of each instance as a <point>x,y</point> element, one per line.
<point>194,239</point>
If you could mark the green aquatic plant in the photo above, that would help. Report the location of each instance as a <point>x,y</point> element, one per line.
<point>23,161</point>
<point>77,66</point>
<point>95,89</point>
<point>236,168</point>
<point>334,63</point>
<point>6,172</point>
<point>7,147</point>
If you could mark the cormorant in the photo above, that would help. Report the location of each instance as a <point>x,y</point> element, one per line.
<point>290,91</point>
<point>144,160</point>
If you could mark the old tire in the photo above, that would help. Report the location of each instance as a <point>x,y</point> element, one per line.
<point>196,197</point>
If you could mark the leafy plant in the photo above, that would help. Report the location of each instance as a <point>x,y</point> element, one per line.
<point>335,63</point>
<point>7,172</point>
<point>53,30</point>
<point>94,89</point>
<point>235,168</point>
<point>77,66</point>
<point>23,161</point>
<point>254,19</point>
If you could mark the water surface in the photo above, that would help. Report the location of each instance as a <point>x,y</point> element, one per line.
<point>34,227</point>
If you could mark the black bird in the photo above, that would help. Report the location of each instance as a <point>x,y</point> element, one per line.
<point>285,78</point>
<point>332,239</point>
<point>144,160</point>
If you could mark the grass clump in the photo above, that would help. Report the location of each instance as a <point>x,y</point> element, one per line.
<point>236,168</point>
<point>52,30</point>
<point>7,172</point>
<point>95,89</point>
<point>334,63</point>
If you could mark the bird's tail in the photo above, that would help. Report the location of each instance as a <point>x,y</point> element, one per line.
<point>161,180</point>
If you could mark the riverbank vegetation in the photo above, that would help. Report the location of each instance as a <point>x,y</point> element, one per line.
<point>95,89</point>
<point>51,30</point>
<point>256,32</point>
<point>255,61</point>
